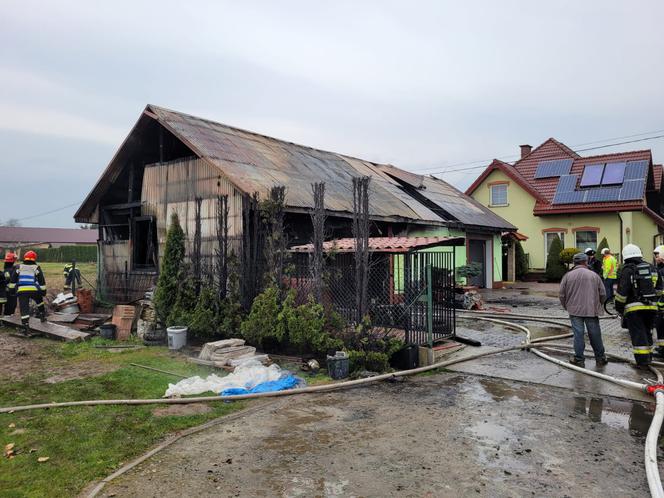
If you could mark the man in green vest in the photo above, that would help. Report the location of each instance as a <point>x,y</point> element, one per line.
<point>609,271</point>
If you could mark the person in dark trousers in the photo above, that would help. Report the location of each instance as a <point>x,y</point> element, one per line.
<point>30,284</point>
<point>658,254</point>
<point>582,295</point>
<point>639,290</point>
<point>7,288</point>
<point>72,275</point>
<point>593,263</point>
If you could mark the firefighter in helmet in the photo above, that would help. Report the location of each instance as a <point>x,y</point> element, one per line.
<point>639,290</point>
<point>658,254</point>
<point>7,288</point>
<point>30,284</point>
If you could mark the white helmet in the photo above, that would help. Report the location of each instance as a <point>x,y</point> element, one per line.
<point>631,251</point>
<point>659,250</point>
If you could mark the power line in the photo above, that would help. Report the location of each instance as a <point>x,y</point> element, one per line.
<point>49,212</point>
<point>510,156</point>
<point>544,157</point>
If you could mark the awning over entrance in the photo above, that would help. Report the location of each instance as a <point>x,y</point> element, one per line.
<point>391,245</point>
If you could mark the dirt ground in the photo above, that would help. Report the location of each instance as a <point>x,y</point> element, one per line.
<point>443,435</point>
<point>23,357</point>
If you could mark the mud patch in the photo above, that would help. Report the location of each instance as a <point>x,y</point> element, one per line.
<point>181,410</point>
<point>80,371</point>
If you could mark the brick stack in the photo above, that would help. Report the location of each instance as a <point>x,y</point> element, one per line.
<point>123,318</point>
<point>85,303</point>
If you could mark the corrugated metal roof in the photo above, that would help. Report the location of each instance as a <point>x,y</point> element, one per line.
<point>255,163</point>
<point>383,244</point>
<point>24,235</point>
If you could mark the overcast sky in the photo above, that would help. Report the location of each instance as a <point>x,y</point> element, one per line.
<point>422,85</point>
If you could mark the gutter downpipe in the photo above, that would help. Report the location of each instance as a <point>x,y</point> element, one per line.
<point>621,233</point>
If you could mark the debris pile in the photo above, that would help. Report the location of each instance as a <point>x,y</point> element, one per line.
<point>229,353</point>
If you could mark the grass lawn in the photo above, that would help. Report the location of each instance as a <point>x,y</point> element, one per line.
<point>87,443</point>
<point>55,279</point>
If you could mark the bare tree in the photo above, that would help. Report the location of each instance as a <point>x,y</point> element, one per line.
<point>318,222</point>
<point>273,211</point>
<point>361,234</point>
<point>251,245</point>
<point>222,245</point>
<point>196,258</point>
<point>11,222</point>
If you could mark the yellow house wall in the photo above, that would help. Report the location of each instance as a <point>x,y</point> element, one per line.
<point>637,227</point>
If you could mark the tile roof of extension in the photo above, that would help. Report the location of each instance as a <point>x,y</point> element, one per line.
<point>255,163</point>
<point>657,174</point>
<point>384,244</point>
<point>34,235</point>
<point>543,189</point>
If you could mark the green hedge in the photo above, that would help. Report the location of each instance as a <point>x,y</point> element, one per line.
<point>64,254</point>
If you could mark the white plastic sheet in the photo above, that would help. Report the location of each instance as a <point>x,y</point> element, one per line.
<point>246,375</point>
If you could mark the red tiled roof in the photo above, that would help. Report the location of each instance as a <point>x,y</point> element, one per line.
<point>383,244</point>
<point>25,235</point>
<point>509,170</point>
<point>657,174</point>
<point>543,189</point>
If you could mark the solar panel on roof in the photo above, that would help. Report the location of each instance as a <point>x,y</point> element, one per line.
<point>553,168</point>
<point>632,190</point>
<point>635,170</point>
<point>592,175</point>
<point>573,197</point>
<point>567,183</point>
<point>603,194</point>
<point>613,174</point>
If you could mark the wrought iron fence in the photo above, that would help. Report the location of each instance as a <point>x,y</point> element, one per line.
<point>399,297</point>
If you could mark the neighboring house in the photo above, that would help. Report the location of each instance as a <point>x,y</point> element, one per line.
<point>15,238</point>
<point>551,190</point>
<point>170,159</point>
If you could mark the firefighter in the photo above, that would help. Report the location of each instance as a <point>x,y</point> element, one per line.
<point>72,275</point>
<point>8,303</point>
<point>639,290</point>
<point>659,320</point>
<point>594,264</point>
<point>30,284</point>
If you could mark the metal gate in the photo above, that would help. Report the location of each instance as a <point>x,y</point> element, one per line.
<point>429,296</point>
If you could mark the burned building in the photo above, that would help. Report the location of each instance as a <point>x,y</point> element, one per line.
<point>174,162</point>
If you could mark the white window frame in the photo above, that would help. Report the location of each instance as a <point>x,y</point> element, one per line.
<point>561,235</point>
<point>576,239</point>
<point>503,185</point>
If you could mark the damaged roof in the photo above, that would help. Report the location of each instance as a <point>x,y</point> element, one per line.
<point>256,163</point>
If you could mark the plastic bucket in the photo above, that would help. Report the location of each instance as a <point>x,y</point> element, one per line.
<point>406,358</point>
<point>338,365</point>
<point>107,331</point>
<point>177,337</point>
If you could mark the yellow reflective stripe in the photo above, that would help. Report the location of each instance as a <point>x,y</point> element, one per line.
<point>660,342</point>
<point>3,300</point>
<point>619,298</point>
<point>25,317</point>
<point>641,351</point>
<point>28,288</point>
<point>11,286</point>
<point>642,307</point>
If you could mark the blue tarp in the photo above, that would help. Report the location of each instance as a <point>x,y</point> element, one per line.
<point>287,382</point>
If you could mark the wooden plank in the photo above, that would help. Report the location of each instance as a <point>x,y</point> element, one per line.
<point>62,317</point>
<point>52,330</point>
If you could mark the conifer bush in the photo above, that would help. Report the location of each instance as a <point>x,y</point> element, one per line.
<point>555,268</point>
<point>170,273</point>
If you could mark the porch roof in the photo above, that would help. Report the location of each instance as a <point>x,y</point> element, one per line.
<point>392,245</point>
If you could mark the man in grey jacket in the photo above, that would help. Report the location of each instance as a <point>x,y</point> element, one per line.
<point>582,294</point>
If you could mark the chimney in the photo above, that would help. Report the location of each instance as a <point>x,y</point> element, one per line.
<point>525,150</point>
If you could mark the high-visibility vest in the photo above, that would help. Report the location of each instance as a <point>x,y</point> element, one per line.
<point>27,279</point>
<point>609,267</point>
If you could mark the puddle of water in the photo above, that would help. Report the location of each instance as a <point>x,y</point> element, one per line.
<point>498,390</point>
<point>618,414</point>
<point>537,331</point>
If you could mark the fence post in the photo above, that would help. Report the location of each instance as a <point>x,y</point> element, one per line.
<point>429,306</point>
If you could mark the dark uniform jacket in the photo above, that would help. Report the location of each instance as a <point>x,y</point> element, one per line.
<point>595,265</point>
<point>627,299</point>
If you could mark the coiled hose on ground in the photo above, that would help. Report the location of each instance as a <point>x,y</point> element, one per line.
<point>652,470</point>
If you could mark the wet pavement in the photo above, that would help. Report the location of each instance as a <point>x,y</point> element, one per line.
<point>447,434</point>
